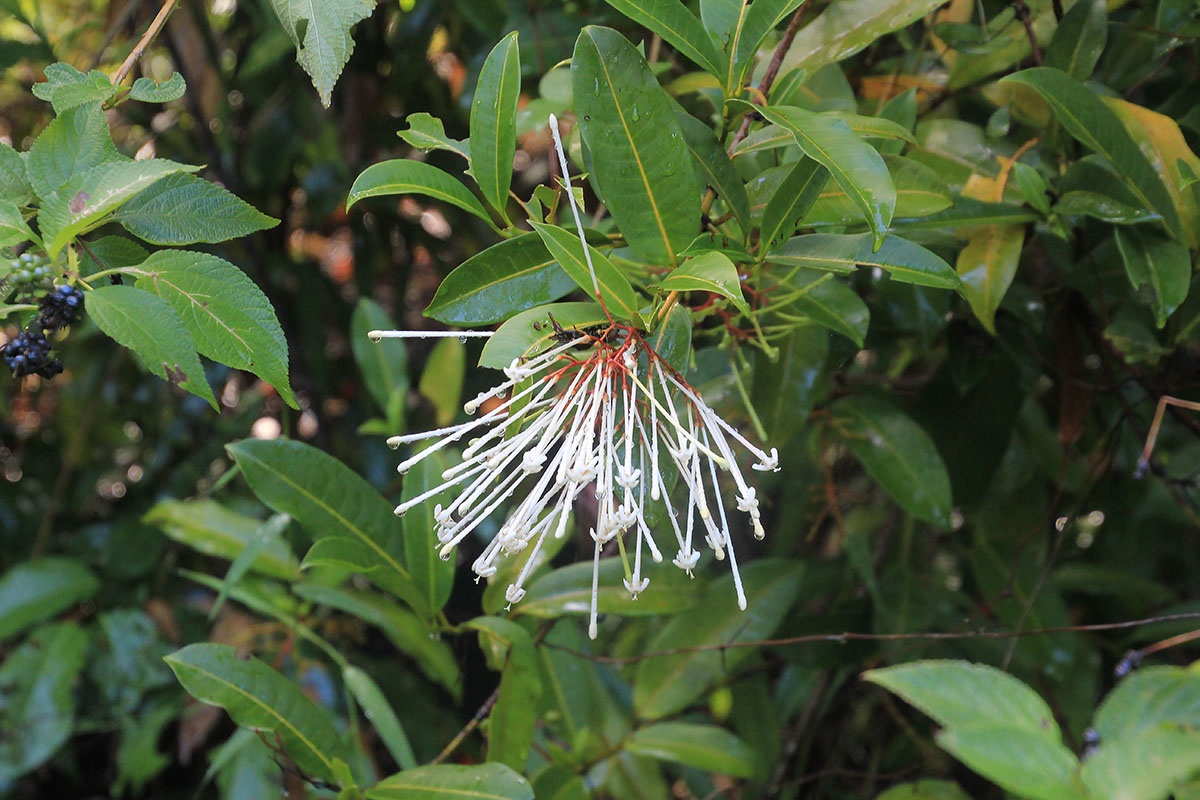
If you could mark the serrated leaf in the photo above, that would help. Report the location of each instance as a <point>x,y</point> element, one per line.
<point>212,529</point>
<point>987,266</point>
<point>1153,697</point>
<point>384,364</point>
<point>259,698</point>
<point>617,294</point>
<point>511,276</point>
<point>321,34</point>
<point>518,338</point>
<point>229,318</point>
<point>405,176</point>
<point>108,252</point>
<point>833,252</point>
<point>711,272</point>
<point>453,782</point>
<point>13,227</point>
<point>66,87</point>
<point>70,145</point>
<point>639,159</point>
<point>148,90</point>
<point>86,199</point>
<point>426,132</point>
<point>791,202</point>
<point>677,26</point>
<point>847,26</point>
<point>379,711</point>
<point>14,182</point>
<point>37,589</point>
<point>1158,268</point>
<point>705,747</point>
<point>713,167</point>
<point>493,121</point>
<point>150,328</point>
<point>185,209</point>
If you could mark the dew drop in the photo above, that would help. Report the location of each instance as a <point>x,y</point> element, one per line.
<point>635,114</point>
<point>462,339</point>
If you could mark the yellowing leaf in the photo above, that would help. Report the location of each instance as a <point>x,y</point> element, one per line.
<point>987,266</point>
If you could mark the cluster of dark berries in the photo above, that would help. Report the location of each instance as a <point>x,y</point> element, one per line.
<point>59,307</point>
<point>29,353</point>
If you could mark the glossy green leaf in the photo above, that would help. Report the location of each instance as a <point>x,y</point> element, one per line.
<point>405,176</point>
<point>901,109</point>
<point>1149,765</point>
<point>784,390</point>
<point>791,202</point>
<point>149,327</point>
<point>259,698</point>
<point>618,296</point>
<point>426,132</point>
<point>830,303</point>
<point>716,243</point>
<point>1012,757</point>
<point>1097,127</point>
<point>672,339</point>
<point>705,747</point>
<point>568,590</point>
<point>184,209</point>
<point>920,192</point>
<point>966,211</point>
<point>514,716</point>
<point>73,143</point>
<point>905,261</point>
<point>453,782</point>
<point>1101,207</point>
<point>1159,269</point>
<point>383,718</point>
<point>664,685</point>
<point>37,698</point>
<point>987,266</point>
<point>66,87</point>
<point>847,26</point>
<point>493,121</point>
<point>897,453</point>
<point>711,272</point>
<point>518,338</point>
<point>37,589</point>
<point>640,160</point>
<point>677,26</point>
<point>321,34</point>
<point>1079,39</point>
<point>212,529</point>
<point>84,200</point>
<point>511,276</point>
<point>713,167</point>
<point>229,318</point>
<point>383,364</point>
<point>13,228</point>
<point>148,90</point>
<point>856,166</point>
<point>14,180</point>
<point>433,576</point>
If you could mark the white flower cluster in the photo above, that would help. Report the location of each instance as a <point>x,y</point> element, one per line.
<point>560,424</point>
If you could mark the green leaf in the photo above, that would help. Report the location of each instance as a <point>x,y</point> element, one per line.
<point>1079,39</point>
<point>705,747</point>
<point>514,716</point>
<point>1010,756</point>
<point>14,181</point>
<point>518,338</point>
<point>426,132</point>
<point>227,315</point>
<point>108,252</point>
<point>1097,127</point>
<point>512,276</point>
<point>184,209</point>
<point>711,272</point>
<point>383,718</point>
<point>1149,765</point>
<point>791,202</point>
<point>13,228</point>
<point>672,339</point>
<point>568,590</point>
<point>1101,207</point>
<point>677,26</point>
<point>37,589</point>
<point>73,143</point>
<point>856,166</point>
<point>321,34</point>
<point>335,506</point>
<point>1151,698</point>
<point>432,576</point>
<point>905,261</point>
<point>784,390</point>
<point>37,702</point>
<point>1159,269</point>
<point>755,19</point>
<point>384,364</point>
<point>667,684</point>
<point>925,790</point>
<point>259,698</point>
<point>66,87</point>
<point>150,328</point>
<point>966,211</point>
<point>85,200</point>
<point>713,167</point>
<point>920,192</point>
<point>265,536</point>
<point>565,247</point>
<point>897,453</point>
<point>212,529</point>
<point>493,121</point>
<point>453,782</point>
<point>640,160</point>
<point>847,26</point>
<point>987,266</point>
<point>148,90</point>
<point>831,303</point>
<point>442,379</point>
<point>405,176</point>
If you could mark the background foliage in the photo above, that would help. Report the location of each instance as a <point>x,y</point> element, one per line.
<point>960,420</point>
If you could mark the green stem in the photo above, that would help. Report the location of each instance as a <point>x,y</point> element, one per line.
<point>741,387</point>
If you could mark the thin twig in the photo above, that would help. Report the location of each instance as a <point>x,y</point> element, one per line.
<point>138,49</point>
<point>1023,15</point>
<point>471,725</point>
<point>764,86</point>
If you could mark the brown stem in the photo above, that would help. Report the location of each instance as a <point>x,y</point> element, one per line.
<point>155,26</point>
<point>764,85</point>
<point>1023,14</point>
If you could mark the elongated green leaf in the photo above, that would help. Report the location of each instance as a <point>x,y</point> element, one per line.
<point>426,132</point>
<point>987,266</point>
<point>847,26</point>
<point>72,144</point>
<point>153,330</point>
<point>442,379</point>
<point>791,202</point>
<point>640,160</point>
<point>1097,127</point>
<point>1079,39</point>
<point>266,535</point>
<point>757,19</point>
<point>493,121</point>
<point>321,34</point>
<point>453,782</point>
<point>213,529</point>
<point>518,338</point>
<point>184,209</point>
<point>705,747</point>
<point>966,211</point>
<point>1122,768</point>
<point>672,339</point>
<point>66,87</point>
<point>568,590</point>
<point>784,390</point>
<point>1160,269</point>
<point>148,90</point>
<point>831,303</point>
<point>920,192</point>
<point>513,718</point>
<point>84,200</point>
<point>37,700</point>
<point>404,176</point>
<point>13,228</point>
<point>666,684</point>
<point>14,180</point>
<point>384,364</point>
<point>671,20</point>
<point>713,167</point>
<point>618,296</point>
<point>227,315</point>
<point>1101,207</point>
<point>259,698</point>
<point>856,166</point>
<point>906,261</point>
<point>512,276</point>
<point>1025,764</point>
<point>38,589</point>
<point>432,576</point>
<point>379,711</point>
<point>711,272</point>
